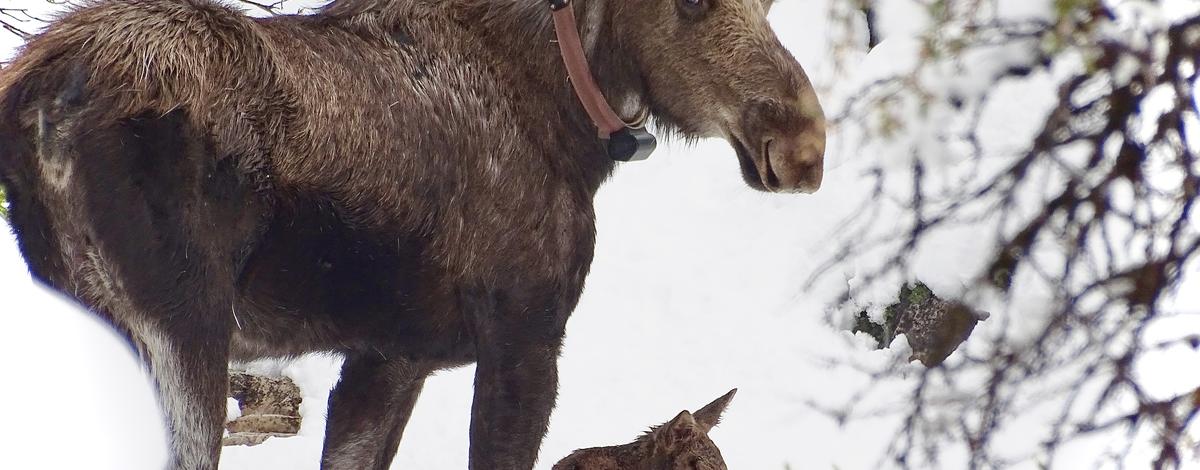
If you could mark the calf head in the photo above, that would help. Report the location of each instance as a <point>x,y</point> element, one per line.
<point>679,444</point>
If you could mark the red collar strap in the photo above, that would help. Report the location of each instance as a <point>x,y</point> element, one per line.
<point>625,142</point>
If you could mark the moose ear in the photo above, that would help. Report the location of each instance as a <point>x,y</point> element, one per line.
<point>710,415</point>
<point>679,429</point>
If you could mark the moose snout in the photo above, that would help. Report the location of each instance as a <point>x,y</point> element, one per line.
<point>794,163</point>
<point>783,145</point>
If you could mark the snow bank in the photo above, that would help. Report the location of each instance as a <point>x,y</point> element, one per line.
<point>74,394</point>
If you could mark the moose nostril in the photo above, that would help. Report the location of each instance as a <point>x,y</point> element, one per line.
<point>770,178</point>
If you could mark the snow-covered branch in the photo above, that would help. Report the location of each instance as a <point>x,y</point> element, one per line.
<point>1083,218</point>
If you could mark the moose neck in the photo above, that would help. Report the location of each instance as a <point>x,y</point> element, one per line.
<point>521,32</point>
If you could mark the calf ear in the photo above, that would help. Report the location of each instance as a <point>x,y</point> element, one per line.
<point>710,415</point>
<point>681,428</point>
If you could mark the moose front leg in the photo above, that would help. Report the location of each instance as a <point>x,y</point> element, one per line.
<point>516,383</point>
<point>514,395</point>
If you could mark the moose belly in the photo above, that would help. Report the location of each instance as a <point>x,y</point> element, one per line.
<point>315,284</point>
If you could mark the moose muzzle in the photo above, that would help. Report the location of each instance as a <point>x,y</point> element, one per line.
<point>785,146</point>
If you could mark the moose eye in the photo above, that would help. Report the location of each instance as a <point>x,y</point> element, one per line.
<point>693,9</point>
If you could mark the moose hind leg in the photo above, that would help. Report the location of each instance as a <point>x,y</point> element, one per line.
<point>165,222</point>
<point>368,410</point>
<point>190,373</point>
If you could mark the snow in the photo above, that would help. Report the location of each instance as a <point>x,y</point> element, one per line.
<point>699,285</point>
<point>67,375</point>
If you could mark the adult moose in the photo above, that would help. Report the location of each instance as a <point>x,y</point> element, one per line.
<point>406,182</point>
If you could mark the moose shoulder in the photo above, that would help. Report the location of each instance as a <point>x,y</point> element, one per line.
<point>408,183</point>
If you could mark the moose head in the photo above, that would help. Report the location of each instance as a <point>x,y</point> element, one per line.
<point>679,444</point>
<point>720,71</point>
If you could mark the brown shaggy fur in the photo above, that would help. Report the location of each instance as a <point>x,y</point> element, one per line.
<point>405,182</point>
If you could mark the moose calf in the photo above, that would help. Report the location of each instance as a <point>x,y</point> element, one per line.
<point>681,443</point>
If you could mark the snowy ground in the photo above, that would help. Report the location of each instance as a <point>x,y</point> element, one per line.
<point>696,289</point>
